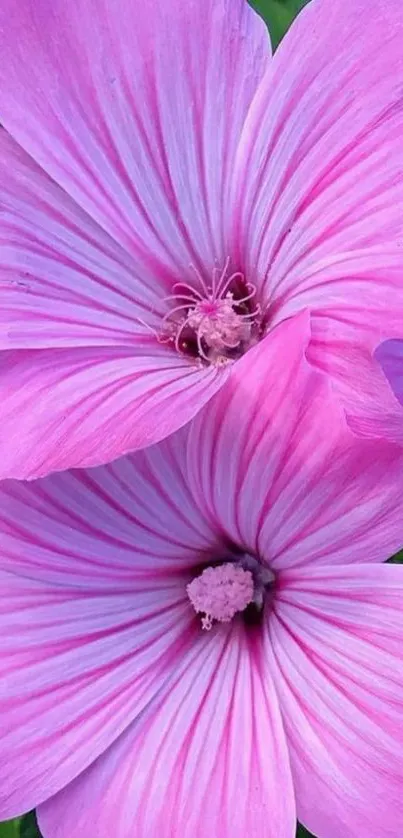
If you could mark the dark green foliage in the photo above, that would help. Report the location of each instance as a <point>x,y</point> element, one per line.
<point>278,15</point>
<point>10,829</point>
<point>28,827</point>
<point>303,833</point>
<point>397,558</point>
<point>25,827</point>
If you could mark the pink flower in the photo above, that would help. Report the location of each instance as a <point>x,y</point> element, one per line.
<point>169,193</point>
<point>124,712</point>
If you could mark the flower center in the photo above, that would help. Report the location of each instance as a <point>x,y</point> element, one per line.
<point>216,323</point>
<point>220,592</point>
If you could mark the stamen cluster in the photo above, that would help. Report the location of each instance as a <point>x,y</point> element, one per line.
<point>216,322</point>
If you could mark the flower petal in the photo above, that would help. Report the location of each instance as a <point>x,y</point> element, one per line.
<point>77,668</point>
<point>317,207</point>
<point>336,640</point>
<point>275,463</point>
<point>390,356</point>
<point>85,407</point>
<point>93,611</point>
<point>147,150</point>
<point>91,528</point>
<point>207,758</point>
<point>136,111</point>
<point>63,281</point>
<point>108,386</point>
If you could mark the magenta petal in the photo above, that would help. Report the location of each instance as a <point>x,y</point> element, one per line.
<point>77,668</point>
<point>94,613</point>
<point>208,758</point>
<point>101,384</point>
<point>136,110</point>
<point>97,95</point>
<point>63,281</point>
<point>84,407</point>
<point>317,207</point>
<point>318,168</point>
<point>273,461</point>
<point>336,647</point>
<point>90,528</point>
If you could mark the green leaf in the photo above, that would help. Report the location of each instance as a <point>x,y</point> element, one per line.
<point>303,833</point>
<point>25,827</point>
<point>397,558</point>
<point>278,15</point>
<point>10,829</point>
<point>29,827</point>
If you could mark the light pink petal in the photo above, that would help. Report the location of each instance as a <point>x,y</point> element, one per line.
<point>98,96</point>
<point>63,280</point>
<point>336,645</point>
<point>136,110</point>
<point>273,461</point>
<point>102,384</point>
<point>91,529</point>
<point>77,667</point>
<point>94,614</point>
<point>84,407</point>
<point>317,216</point>
<point>208,758</point>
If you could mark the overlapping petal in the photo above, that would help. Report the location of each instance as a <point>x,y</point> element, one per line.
<point>274,461</point>
<point>390,356</point>
<point>85,378</point>
<point>335,642</point>
<point>63,281</point>
<point>96,526</point>
<point>208,757</point>
<point>88,407</point>
<point>93,614</point>
<point>136,111</point>
<point>136,130</point>
<point>106,669</point>
<point>318,196</point>
<point>384,379</point>
<point>77,667</point>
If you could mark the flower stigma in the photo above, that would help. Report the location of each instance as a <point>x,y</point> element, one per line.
<point>215,322</point>
<point>220,592</point>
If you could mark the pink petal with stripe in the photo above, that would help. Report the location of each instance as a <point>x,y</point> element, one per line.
<point>137,160</point>
<point>94,614</point>
<point>77,674</point>
<point>92,381</point>
<point>318,196</point>
<point>97,94</point>
<point>273,460</point>
<point>88,527</point>
<point>207,758</point>
<point>335,644</point>
<point>64,282</point>
<point>130,713</point>
<point>88,406</point>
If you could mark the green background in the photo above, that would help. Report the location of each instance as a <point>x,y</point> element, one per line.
<point>278,15</point>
